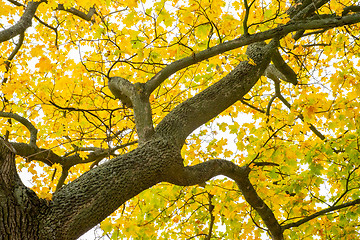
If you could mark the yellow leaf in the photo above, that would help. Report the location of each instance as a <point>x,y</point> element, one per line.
<point>44,64</point>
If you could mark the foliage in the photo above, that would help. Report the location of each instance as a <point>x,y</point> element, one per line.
<point>301,141</point>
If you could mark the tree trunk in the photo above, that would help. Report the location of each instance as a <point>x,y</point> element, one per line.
<point>85,202</point>
<point>20,208</point>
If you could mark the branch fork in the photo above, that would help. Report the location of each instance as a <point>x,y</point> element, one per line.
<point>135,96</point>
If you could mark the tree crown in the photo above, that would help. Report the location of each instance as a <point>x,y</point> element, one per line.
<point>90,81</point>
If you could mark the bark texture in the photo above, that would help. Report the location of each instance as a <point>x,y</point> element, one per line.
<point>80,205</point>
<point>20,208</point>
<point>24,22</point>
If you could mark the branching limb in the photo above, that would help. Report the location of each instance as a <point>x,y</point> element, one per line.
<point>274,74</point>
<point>350,9</point>
<point>94,156</point>
<point>80,14</point>
<point>136,97</point>
<point>347,189</point>
<point>212,217</point>
<point>7,70</point>
<point>64,174</point>
<point>305,8</point>
<point>244,40</point>
<point>320,213</point>
<point>40,21</point>
<point>312,127</point>
<point>246,17</point>
<point>122,89</point>
<point>200,173</point>
<point>22,24</point>
<point>55,29</point>
<point>33,131</point>
<point>288,74</point>
<point>195,111</point>
<point>32,153</point>
<point>13,53</point>
<point>48,157</point>
<point>74,11</point>
<point>297,7</point>
<point>251,106</point>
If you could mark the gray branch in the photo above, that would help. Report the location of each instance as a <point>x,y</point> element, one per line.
<point>273,73</point>
<point>64,174</point>
<point>288,74</point>
<point>305,8</point>
<point>22,24</point>
<point>80,14</point>
<point>320,213</point>
<point>33,131</point>
<point>200,173</point>
<point>93,156</point>
<point>16,49</point>
<point>279,31</point>
<point>83,203</point>
<point>31,153</point>
<point>201,108</point>
<point>350,9</point>
<point>122,89</point>
<point>135,96</point>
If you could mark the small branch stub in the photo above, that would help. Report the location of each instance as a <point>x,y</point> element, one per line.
<point>121,88</point>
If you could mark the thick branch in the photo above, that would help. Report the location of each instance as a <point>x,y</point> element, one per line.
<point>135,96</point>
<point>22,24</point>
<point>273,73</point>
<point>34,153</point>
<point>33,131</point>
<point>350,9</point>
<point>20,207</point>
<point>202,172</point>
<point>122,89</point>
<point>93,196</point>
<point>94,156</point>
<point>201,108</point>
<point>283,30</point>
<point>80,14</point>
<point>281,65</point>
<point>320,213</point>
<point>143,113</point>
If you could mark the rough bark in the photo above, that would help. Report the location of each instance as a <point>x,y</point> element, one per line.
<point>282,30</point>
<point>20,208</point>
<point>22,24</point>
<point>83,203</point>
<point>80,205</point>
<point>194,112</point>
<point>135,96</point>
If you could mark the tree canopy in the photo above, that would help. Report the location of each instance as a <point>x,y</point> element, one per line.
<point>122,112</point>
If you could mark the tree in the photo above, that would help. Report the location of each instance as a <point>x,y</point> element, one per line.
<point>123,111</point>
